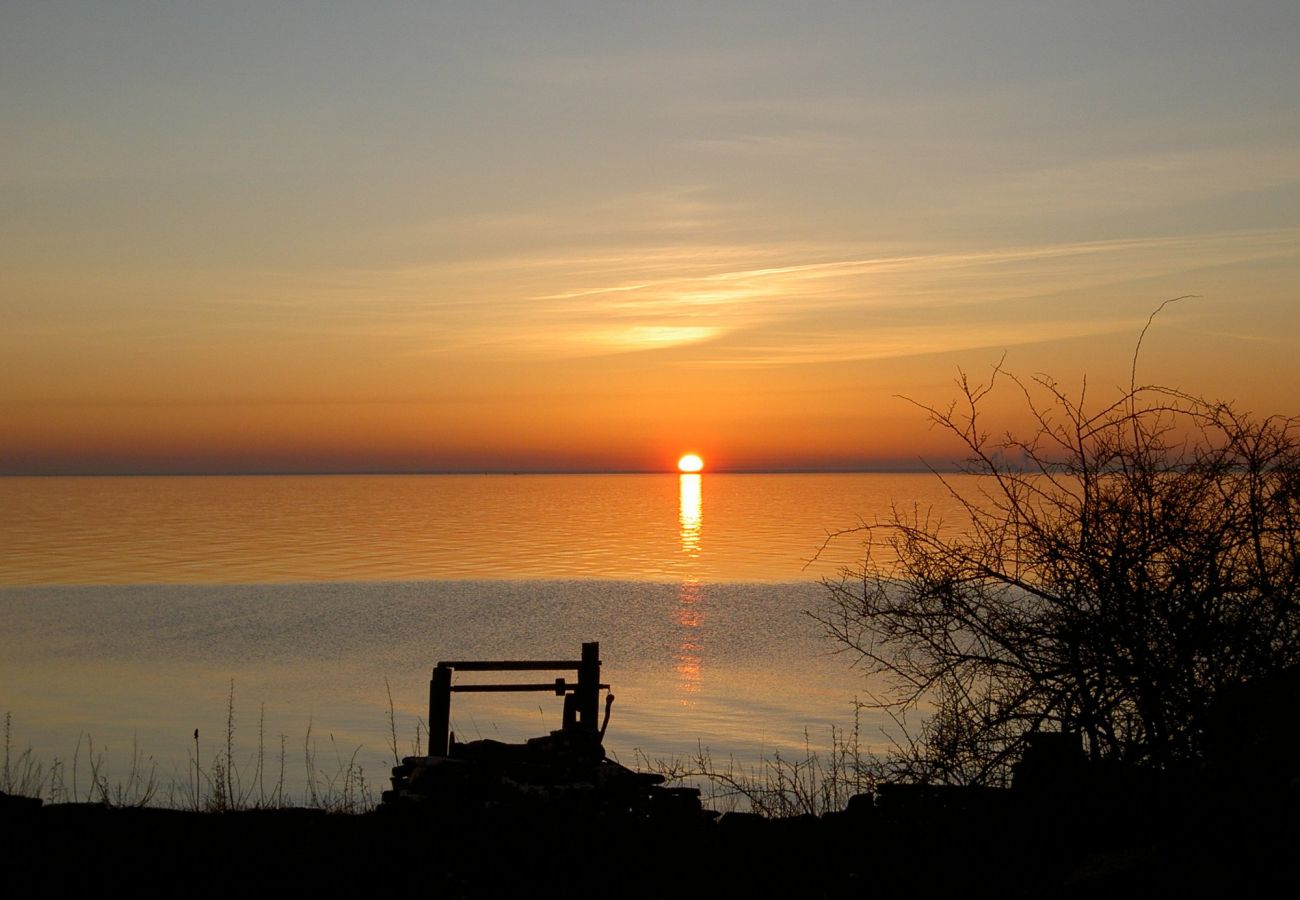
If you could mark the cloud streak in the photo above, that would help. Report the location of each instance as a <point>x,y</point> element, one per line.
<point>746,311</point>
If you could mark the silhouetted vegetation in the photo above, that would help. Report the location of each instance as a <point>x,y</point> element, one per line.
<point>818,781</point>
<point>1117,570</point>
<point>226,780</point>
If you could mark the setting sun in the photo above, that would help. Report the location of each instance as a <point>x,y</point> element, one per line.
<point>690,463</point>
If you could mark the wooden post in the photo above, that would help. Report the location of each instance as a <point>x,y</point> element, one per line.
<point>439,710</point>
<point>570,712</point>
<point>588,692</point>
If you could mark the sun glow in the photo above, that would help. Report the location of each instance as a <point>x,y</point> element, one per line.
<point>690,463</point>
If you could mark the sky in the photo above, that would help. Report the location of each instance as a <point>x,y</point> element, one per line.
<point>561,236</point>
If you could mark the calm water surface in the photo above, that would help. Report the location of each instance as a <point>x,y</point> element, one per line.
<point>225,530</point>
<point>133,603</point>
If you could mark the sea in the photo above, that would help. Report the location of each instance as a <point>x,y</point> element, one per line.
<point>158,621</point>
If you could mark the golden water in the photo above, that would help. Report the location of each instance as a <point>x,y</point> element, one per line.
<point>222,530</point>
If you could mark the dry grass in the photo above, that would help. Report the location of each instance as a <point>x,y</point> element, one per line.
<point>83,781</point>
<point>817,782</point>
<point>229,780</point>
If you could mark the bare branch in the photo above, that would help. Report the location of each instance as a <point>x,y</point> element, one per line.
<point>1116,569</point>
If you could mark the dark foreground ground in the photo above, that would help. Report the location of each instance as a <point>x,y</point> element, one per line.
<point>925,842</point>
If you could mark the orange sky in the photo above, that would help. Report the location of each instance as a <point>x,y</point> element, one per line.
<point>444,239</point>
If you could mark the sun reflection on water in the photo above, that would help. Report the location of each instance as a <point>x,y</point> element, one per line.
<point>690,513</point>
<point>690,617</point>
<point>688,664</point>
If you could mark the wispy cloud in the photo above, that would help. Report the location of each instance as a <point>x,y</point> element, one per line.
<point>738,304</point>
<point>728,304</point>
<point>893,341</point>
<point>702,296</point>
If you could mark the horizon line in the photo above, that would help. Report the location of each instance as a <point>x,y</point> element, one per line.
<point>918,469</point>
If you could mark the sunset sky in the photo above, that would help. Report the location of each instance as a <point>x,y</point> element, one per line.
<point>437,236</point>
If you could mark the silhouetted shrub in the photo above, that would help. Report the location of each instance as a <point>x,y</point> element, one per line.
<point>1115,571</point>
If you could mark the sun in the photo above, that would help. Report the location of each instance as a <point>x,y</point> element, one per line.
<point>690,463</point>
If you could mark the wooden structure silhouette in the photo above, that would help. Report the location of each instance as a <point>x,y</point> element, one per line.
<point>564,774</point>
<point>581,699</point>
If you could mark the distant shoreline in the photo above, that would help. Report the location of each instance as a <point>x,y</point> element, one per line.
<point>272,473</point>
